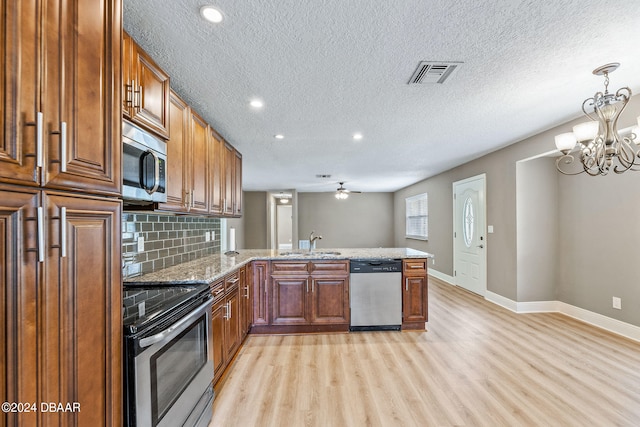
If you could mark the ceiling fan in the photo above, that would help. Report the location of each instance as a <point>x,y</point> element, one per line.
<point>342,193</point>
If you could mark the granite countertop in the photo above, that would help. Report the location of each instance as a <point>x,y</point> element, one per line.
<point>213,267</point>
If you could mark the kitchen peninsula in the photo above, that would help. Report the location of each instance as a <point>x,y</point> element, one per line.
<point>273,291</point>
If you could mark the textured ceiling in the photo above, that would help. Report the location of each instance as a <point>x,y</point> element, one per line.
<point>327,69</point>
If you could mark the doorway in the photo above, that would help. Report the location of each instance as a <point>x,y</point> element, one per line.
<point>469,234</point>
<point>284,227</point>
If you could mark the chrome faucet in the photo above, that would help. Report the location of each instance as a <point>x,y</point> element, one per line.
<point>312,240</point>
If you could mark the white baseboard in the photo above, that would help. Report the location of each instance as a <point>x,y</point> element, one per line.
<point>607,323</point>
<point>444,277</point>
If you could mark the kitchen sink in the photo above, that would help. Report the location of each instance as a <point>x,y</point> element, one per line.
<point>310,254</point>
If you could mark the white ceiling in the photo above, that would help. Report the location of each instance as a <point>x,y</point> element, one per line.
<point>327,69</point>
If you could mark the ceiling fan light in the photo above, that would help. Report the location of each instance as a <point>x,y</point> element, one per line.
<point>341,195</point>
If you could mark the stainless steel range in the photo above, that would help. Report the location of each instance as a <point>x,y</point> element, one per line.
<point>168,363</point>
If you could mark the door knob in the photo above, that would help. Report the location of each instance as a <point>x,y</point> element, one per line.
<point>480,246</point>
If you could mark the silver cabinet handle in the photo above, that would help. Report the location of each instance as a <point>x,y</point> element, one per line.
<point>40,234</point>
<point>416,266</point>
<point>233,281</point>
<point>63,146</point>
<point>39,139</point>
<point>146,342</point>
<point>63,232</point>
<point>406,285</point>
<point>229,305</point>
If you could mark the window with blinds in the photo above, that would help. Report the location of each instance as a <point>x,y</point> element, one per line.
<point>416,216</point>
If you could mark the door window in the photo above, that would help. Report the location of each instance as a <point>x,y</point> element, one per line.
<point>469,220</point>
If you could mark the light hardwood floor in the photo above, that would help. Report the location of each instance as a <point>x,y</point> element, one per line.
<point>477,365</point>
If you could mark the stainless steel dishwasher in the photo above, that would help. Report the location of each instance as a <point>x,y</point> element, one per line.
<point>376,294</point>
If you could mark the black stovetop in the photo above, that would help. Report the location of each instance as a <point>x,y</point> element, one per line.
<point>146,304</point>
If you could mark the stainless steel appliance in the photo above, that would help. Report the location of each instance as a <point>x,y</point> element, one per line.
<point>376,294</point>
<point>144,159</point>
<point>168,348</point>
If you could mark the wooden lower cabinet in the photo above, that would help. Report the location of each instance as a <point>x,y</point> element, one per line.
<point>61,306</point>
<point>305,296</point>
<point>260,292</point>
<point>226,325</point>
<point>290,296</point>
<point>246,305</point>
<point>414,294</point>
<point>330,300</point>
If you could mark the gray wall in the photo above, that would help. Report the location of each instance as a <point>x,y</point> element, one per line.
<point>254,216</point>
<point>361,221</point>
<point>600,244</point>
<point>577,284</point>
<point>537,219</point>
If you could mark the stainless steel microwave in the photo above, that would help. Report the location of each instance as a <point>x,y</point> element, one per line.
<point>144,166</point>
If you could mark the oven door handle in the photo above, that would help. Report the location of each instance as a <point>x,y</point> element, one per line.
<point>149,341</point>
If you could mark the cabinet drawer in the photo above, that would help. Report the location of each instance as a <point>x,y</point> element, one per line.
<point>414,266</point>
<point>330,267</point>
<point>217,290</point>
<point>232,281</point>
<point>289,267</point>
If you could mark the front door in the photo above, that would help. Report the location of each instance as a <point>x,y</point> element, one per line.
<point>469,242</point>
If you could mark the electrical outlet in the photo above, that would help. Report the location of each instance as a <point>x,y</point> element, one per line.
<point>617,303</point>
<point>213,235</point>
<point>207,236</point>
<point>141,244</point>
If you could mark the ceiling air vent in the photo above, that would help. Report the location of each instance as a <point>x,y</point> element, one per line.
<point>430,72</point>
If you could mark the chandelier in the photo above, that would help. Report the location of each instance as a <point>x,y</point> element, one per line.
<point>601,148</point>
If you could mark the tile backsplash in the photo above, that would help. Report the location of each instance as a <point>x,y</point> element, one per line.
<point>167,240</point>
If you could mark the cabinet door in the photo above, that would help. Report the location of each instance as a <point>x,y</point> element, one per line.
<point>217,328</point>
<point>151,96</point>
<point>245,303</point>
<point>216,172</point>
<point>19,91</point>
<point>178,160</point>
<point>329,300</point>
<point>237,184</point>
<point>232,324</point>
<point>290,300</point>
<point>81,337</point>
<point>260,292</point>
<point>229,179</point>
<point>198,136</point>
<point>127,75</point>
<point>81,102</point>
<point>19,276</point>
<point>414,300</point>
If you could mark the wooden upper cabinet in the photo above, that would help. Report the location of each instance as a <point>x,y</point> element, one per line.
<point>216,172</point>
<point>61,122</point>
<point>178,157</point>
<point>198,136</point>
<point>228,178</point>
<point>145,90</point>
<point>237,183</point>
<point>19,91</point>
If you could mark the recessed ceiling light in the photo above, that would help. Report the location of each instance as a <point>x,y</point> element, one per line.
<point>211,14</point>
<point>357,136</point>
<point>279,136</point>
<point>256,103</point>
